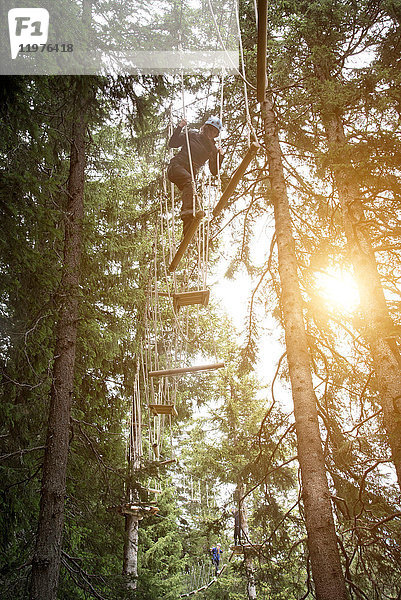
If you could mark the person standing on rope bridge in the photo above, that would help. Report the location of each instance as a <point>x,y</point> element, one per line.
<point>202,148</point>
<point>237,527</point>
<point>216,553</point>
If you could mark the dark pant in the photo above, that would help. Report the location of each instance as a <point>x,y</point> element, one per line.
<point>237,528</point>
<point>179,175</point>
<point>216,562</point>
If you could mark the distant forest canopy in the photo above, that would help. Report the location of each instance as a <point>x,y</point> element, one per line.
<point>118,474</point>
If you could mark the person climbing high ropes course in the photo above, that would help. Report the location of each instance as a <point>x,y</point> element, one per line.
<point>216,553</point>
<point>197,147</point>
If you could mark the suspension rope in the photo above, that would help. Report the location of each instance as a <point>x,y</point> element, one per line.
<point>188,146</point>
<point>225,49</point>
<point>172,244</point>
<point>211,582</point>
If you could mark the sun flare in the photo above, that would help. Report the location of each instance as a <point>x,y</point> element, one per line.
<point>337,288</point>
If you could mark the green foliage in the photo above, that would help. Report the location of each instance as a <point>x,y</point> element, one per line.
<point>34,152</point>
<point>31,237</point>
<point>160,559</point>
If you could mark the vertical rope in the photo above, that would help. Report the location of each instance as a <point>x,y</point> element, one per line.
<point>171,437</point>
<point>207,237</point>
<point>170,230</point>
<point>251,129</point>
<point>188,146</point>
<point>171,128</point>
<point>154,303</point>
<point>221,119</point>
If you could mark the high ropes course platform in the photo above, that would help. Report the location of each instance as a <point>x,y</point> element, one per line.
<point>177,284</point>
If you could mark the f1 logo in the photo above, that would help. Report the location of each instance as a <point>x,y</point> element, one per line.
<point>26,26</point>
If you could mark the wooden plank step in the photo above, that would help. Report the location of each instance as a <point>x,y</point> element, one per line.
<point>163,463</point>
<point>236,176</point>
<point>138,510</point>
<point>183,370</point>
<point>186,240</point>
<point>189,298</point>
<point>163,409</point>
<point>149,490</point>
<point>247,548</point>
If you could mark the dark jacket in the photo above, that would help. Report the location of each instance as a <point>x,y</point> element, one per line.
<point>216,553</point>
<point>202,150</point>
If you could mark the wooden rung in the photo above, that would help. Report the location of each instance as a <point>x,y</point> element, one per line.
<point>190,298</point>
<point>183,370</point>
<point>163,409</point>
<point>135,512</point>
<point>187,240</point>
<point>236,176</point>
<point>149,510</point>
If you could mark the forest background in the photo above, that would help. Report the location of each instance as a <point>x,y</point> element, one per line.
<point>328,130</point>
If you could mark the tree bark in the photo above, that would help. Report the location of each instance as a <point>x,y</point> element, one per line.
<point>325,560</point>
<point>130,557</point>
<point>244,532</point>
<point>46,560</point>
<point>130,564</point>
<point>378,327</point>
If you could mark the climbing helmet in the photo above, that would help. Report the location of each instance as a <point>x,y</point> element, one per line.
<point>216,122</point>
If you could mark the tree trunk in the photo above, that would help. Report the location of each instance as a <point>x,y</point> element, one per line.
<point>130,557</point>
<point>130,564</point>
<point>250,576</point>
<point>46,560</point>
<point>377,323</point>
<point>324,555</point>
<point>244,532</point>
